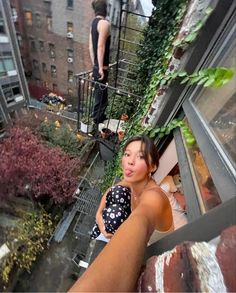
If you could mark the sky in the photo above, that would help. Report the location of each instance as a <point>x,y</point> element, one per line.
<point>147,6</point>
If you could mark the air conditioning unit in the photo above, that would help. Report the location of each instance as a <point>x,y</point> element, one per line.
<point>70,60</point>
<point>69,35</point>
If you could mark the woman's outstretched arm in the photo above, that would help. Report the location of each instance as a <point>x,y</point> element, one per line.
<point>117,267</point>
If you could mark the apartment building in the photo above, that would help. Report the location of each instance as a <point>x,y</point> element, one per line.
<point>53,37</point>
<point>13,87</point>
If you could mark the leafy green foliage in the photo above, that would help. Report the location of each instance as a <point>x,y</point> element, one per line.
<point>120,104</point>
<point>160,132</point>
<point>158,40</point>
<point>62,137</point>
<point>26,242</point>
<point>153,58</point>
<point>191,37</point>
<point>208,77</point>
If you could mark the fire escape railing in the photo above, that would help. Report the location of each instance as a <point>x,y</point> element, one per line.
<point>117,103</point>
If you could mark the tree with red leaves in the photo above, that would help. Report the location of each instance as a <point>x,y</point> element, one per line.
<point>28,165</point>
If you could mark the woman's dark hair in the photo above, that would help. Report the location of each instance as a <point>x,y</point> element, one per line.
<point>100,7</point>
<point>148,148</point>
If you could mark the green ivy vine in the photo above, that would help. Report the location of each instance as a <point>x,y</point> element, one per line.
<point>209,77</point>
<point>153,58</point>
<point>157,43</point>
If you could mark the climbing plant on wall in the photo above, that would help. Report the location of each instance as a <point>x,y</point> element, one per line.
<point>159,35</point>
<point>208,77</point>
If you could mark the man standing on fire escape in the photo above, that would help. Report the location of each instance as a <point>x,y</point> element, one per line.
<point>99,48</point>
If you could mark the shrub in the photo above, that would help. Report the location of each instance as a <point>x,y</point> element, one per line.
<point>62,137</point>
<point>26,161</point>
<point>26,242</point>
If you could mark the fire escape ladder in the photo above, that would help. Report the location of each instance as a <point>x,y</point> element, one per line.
<point>131,26</point>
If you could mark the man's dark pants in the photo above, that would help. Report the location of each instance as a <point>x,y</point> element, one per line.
<point>100,96</point>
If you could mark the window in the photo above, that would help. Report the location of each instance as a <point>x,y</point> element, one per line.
<point>35,64</point>
<point>28,18</point>
<point>32,44</point>
<point>49,23</point>
<point>11,91</point>
<point>38,81</point>
<point>46,85</point>
<point>208,196</point>
<point>52,52</point>
<point>109,9</point>
<point>53,71</point>
<point>38,20</point>
<point>70,53</point>
<point>41,46</point>
<point>217,107</point>
<point>211,115</point>
<point>6,63</point>
<point>70,76</point>
<point>14,14</point>
<point>70,27</point>
<point>2,28</point>
<point>113,15</point>
<point>19,40</point>
<point>44,67</point>
<point>70,4</point>
<point>54,87</point>
<point>2,126</point>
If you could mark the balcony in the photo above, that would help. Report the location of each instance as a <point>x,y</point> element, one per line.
<point>120,108</point>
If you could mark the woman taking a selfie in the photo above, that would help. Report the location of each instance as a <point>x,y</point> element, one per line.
<point>117,267</point>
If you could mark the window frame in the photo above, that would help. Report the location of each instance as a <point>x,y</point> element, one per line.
<point>53,71</point>
<point>52,50</point>
<point>3,58</point>
<point>41,46</point>
<point>70,76</point>
<point>2,26</point>
<point>70,27</point>
<point>217,162</point>
<point>44,67</point>
<point>70,4</point>
<point>38,20</point>
<point>49,23</point>
<point>28,20</point>
<point>35,64</point>
<point>9,88</point>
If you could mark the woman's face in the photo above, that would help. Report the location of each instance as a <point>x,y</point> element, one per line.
<point>133,163</point>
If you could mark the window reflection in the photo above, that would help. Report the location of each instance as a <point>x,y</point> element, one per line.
<point>218,109</point>
<point>207,193</point>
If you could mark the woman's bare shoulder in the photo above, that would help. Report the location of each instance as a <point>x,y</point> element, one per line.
<point>154,194</point>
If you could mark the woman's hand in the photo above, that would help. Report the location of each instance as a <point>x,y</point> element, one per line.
<point>101,226</point>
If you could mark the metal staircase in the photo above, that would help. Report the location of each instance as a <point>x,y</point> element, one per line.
<point>131,25</point>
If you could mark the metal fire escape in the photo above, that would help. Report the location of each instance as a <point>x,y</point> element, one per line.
<point>130,34</point>
<point>87,195</point>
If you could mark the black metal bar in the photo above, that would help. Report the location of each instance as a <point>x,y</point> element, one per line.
<point>126,78</point>
<point>118,49</point>
<point>130,42</point>
<point>124,70</point>
<point>129,53</point>
<point>130,28</point>
<point>135,13</point>
<point>129,63</point>
<point>79,105</point>
<point>120,91</point>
